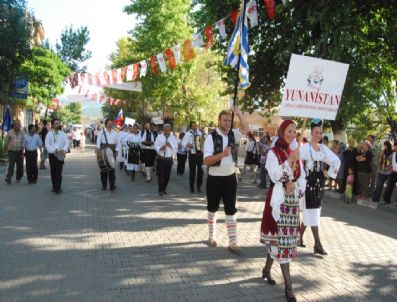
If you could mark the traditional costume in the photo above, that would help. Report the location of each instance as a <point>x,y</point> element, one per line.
<point>134,147</point>
<point>195,138</point>
<point>111,140</point>
<point>148,152</point>
<point>280,222</point>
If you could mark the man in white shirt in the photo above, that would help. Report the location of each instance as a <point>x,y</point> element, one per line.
<point>57,145</point>
<point>220,155</point>
<point>31,142</point>
<point>108,138</point>
<point>192,141</point>
<point>166,147</point>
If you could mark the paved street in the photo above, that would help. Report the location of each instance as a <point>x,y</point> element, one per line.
<point>131,245</point>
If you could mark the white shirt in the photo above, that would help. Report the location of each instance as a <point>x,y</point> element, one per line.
<point>308,154</point>
<point>133,138</point>
<point>227,166</point>
<point>189,139</point>
<point>394,162</point>
<point>250,146</point>
<point>143,139</point>
<point>160,142</point>
<point>112,138</point>
<point>56,141</point>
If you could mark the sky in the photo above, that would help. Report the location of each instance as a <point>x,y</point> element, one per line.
<point>105,20</point>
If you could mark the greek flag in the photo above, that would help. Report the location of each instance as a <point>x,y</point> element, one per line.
<point>239,44</point>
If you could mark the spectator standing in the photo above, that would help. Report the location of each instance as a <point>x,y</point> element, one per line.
<point>364,161</point>
<point>181,156</point>
<point>374,164</point>
<point>264,147</point>
<point>13,144</point>
<point>250,157</point>
<point>43,151</point>
<point>384,171</point>
<point>391,183</point>
<point>31,142</point>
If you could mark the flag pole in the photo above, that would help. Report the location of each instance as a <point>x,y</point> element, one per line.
<point>237,79</point>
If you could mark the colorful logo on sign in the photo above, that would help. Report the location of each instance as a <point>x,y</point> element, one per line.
<point>316,79</point>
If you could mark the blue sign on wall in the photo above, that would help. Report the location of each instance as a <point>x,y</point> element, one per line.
<point>19,89</point>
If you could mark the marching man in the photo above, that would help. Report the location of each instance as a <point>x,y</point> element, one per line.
<point>220,155</point>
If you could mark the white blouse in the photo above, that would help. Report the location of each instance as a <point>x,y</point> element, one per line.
<point>308,154</point>
<point>278,174</point>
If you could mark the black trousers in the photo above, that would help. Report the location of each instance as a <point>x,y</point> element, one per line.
<point>391,183</point>
<point>180,168</point>
<point>15,157</point>
<point>111,175</point>
<point>222,188</point>
<point>164,167</point>
<point>56,172</point>
<point>32,170</point>
<point>196,164</point>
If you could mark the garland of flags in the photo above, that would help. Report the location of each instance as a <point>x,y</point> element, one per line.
<point>174,54</point>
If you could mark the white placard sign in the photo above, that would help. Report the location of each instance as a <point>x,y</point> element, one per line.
<point>314,88</point>
<point>129,121</point>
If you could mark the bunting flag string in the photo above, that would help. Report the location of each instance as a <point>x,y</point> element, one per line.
<point>173,54</point>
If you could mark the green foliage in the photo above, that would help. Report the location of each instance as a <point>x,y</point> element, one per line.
<point>46,73</point>
<point>193,90</point>
<point>71,113</point>
<point>360,33</point>
<point>72,49</point>
<point>17,27</point>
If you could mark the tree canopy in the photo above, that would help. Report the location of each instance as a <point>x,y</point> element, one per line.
<point>71,113</point>
<point>72,47</point>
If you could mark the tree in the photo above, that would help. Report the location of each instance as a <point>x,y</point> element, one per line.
<point>72,48</point>
<point>46,73</point>
<point>18,27</point>
<point>360,33</point>
<point>71,113</point>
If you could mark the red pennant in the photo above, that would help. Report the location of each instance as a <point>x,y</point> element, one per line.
<point>114,76</point>
<point>153,61</point>
<point>82,77</point>
<point>136,71</point>
<point>106,77</point>
<point>270,6</point>
<point>123,73</point>
<point>210,37</point>
<point>90,81</point>
<point>234,16</point>
<point>101,98</point>
<point>171,58</point>
<point>98,79</point>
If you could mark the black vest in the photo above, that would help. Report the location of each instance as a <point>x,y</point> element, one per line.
<point>218,145</point>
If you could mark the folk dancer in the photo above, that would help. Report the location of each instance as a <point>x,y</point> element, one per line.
<point>314,155</point>
<point>280,222</point>
<point>166,147</point>
<point>31,142</point>
<point>13,145</point>
<point>108,138</point>
<point>220,156</point>
<point>193,141</point>
<point>121,137</point>
<point>57,145</point>
<point>181,156</point>
<point>134,148</point>
<point>148,138</point>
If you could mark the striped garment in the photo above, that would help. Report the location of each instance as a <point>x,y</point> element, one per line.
<point>212,225</point>
<point>231,224</point>
<point>14,141</point>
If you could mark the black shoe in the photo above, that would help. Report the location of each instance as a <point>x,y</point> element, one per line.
<point>268,276</point>
<point>60,191</point>
<point>53,190</point>
<point>103,188</point>
<point>113,188</point>
<point>290,295</point>
<point>161,193</point>
<point>7,181</point>
<point>301,244</point>
<point>318,249</point>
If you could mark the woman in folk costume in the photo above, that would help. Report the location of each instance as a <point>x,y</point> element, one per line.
<point>134,148</point>
<point>314,155</point>
<point>280,222</point>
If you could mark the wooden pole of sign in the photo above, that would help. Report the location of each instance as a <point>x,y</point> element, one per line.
<point>299,142</point>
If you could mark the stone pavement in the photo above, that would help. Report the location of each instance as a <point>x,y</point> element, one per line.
<point>131,245</point>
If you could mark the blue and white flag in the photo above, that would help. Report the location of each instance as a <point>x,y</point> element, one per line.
<point>239,45</point>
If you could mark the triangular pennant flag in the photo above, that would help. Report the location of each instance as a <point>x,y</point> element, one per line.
<point>153,62</point>
<point>220,25</point>
<point>252,13</point>
<point>136,71</point>
<point>160,59</point>
<point>270,6</point>
<point>83,79</point>
<point>123,73</point>
<point>130,72</point>
<point>143,68</point>
<point>210,37</point>
<point>119,80</point>
<point>114,76</point>
<point>90,80</point>
<point>106,78</point>
<point>197,40</point>
<point>171,59</point>
<point>98,81</point>
<point>101,98</point>
<point>234,15</point>
<point>177,53</point>
<point>188,51</point>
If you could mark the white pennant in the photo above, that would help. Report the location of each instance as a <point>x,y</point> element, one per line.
<point>160,59</point>
<point>220,25</point>
<point>143,68</point>
<point>130,72</point>
<point>177,53</point>
<point>252,13</point>
<point>197,40</point>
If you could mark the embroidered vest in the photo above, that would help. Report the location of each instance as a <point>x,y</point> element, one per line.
<point>218,145</point>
